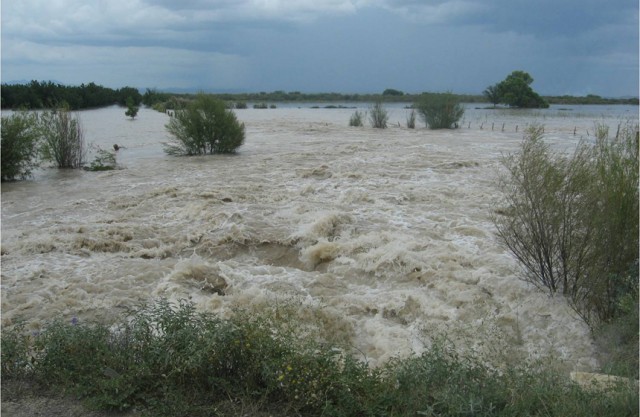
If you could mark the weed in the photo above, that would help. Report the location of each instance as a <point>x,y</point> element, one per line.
<point>169,359</point>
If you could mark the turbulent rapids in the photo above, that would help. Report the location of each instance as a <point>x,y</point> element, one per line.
<point>376,238</point>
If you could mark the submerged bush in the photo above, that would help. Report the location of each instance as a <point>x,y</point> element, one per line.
<point>572,221</point>
<point>378,116</point>
<point>172,360</point>
<point>63,136</point>
<point>411,119</point>
<point>205,126</point>
<point>103,161</point>
<point>356,119</point>
<point>440,111</point>
<point>19,147</point>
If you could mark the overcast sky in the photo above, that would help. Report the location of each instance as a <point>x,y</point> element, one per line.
<point>573,47</point>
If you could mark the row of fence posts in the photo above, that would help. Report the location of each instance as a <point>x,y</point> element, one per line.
<point>575,129</point>
<point>493,128</point>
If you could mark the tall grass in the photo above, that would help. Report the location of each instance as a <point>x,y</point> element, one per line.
<point>171,360</point>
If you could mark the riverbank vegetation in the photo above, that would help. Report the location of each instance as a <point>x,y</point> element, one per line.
<point>46,94</point>
<point>571,221</point>
<point>168,360</point>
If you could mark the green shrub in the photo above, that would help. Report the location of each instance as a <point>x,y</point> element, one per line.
<point>103,161</point>
<point>440,111</point>
<point>378,116</point>
<point>356,119</point>
<point>17,362</point>
<point>132,109</point>
<point>19,147</point>
<point>571,221</point>
<point>63,136</point>
<point>169,359</point>
<point>205,126</point>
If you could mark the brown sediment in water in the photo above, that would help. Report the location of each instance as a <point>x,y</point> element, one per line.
<point>375,239</point>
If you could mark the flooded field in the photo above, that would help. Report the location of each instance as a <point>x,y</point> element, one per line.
<point>375,238</point>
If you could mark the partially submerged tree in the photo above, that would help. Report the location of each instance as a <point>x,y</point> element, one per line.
<point>516,91</point>
<point>492,93</point>
<point>205,126</point>
<point>63,137</point>
<point>132,109</point>
<point>440,111</point>
<point>19,148</point>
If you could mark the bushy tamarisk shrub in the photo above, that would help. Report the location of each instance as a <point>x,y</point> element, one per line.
<point>63,137</point>
<point>19,147</point>
<point>572,221</point>
<point>378,116</point>
<point>440,111</point>
<point>205,126</point>
<point>356,119</point>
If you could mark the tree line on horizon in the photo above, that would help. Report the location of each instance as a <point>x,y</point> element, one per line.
<point>47,94</point>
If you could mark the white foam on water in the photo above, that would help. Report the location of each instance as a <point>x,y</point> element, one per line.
<point>374,239</point>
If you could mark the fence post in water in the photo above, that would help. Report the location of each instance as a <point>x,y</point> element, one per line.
<point>469,127</point>
<point>503,127</point>
<point>482,124</point>
<point>574,130</point>
<point>516,128</point>
<point>492,126</point>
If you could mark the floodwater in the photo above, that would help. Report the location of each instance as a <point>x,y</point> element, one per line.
<point>376,239</point>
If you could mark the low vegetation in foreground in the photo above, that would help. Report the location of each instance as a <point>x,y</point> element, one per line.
<point>165,359</point>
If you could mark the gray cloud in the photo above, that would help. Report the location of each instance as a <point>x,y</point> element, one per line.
<point>569,46</point>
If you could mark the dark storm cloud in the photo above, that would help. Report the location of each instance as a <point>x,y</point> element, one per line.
<point>318,45</point>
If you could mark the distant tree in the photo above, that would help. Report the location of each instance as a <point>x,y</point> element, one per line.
<point>127,94</point>
<point>205,126</point>
<point>492,93</point>
<point>440,111</point>
<point>516,91</point>
<point>392,92</point>
<point>132,109</point>
<point>19,147</point>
